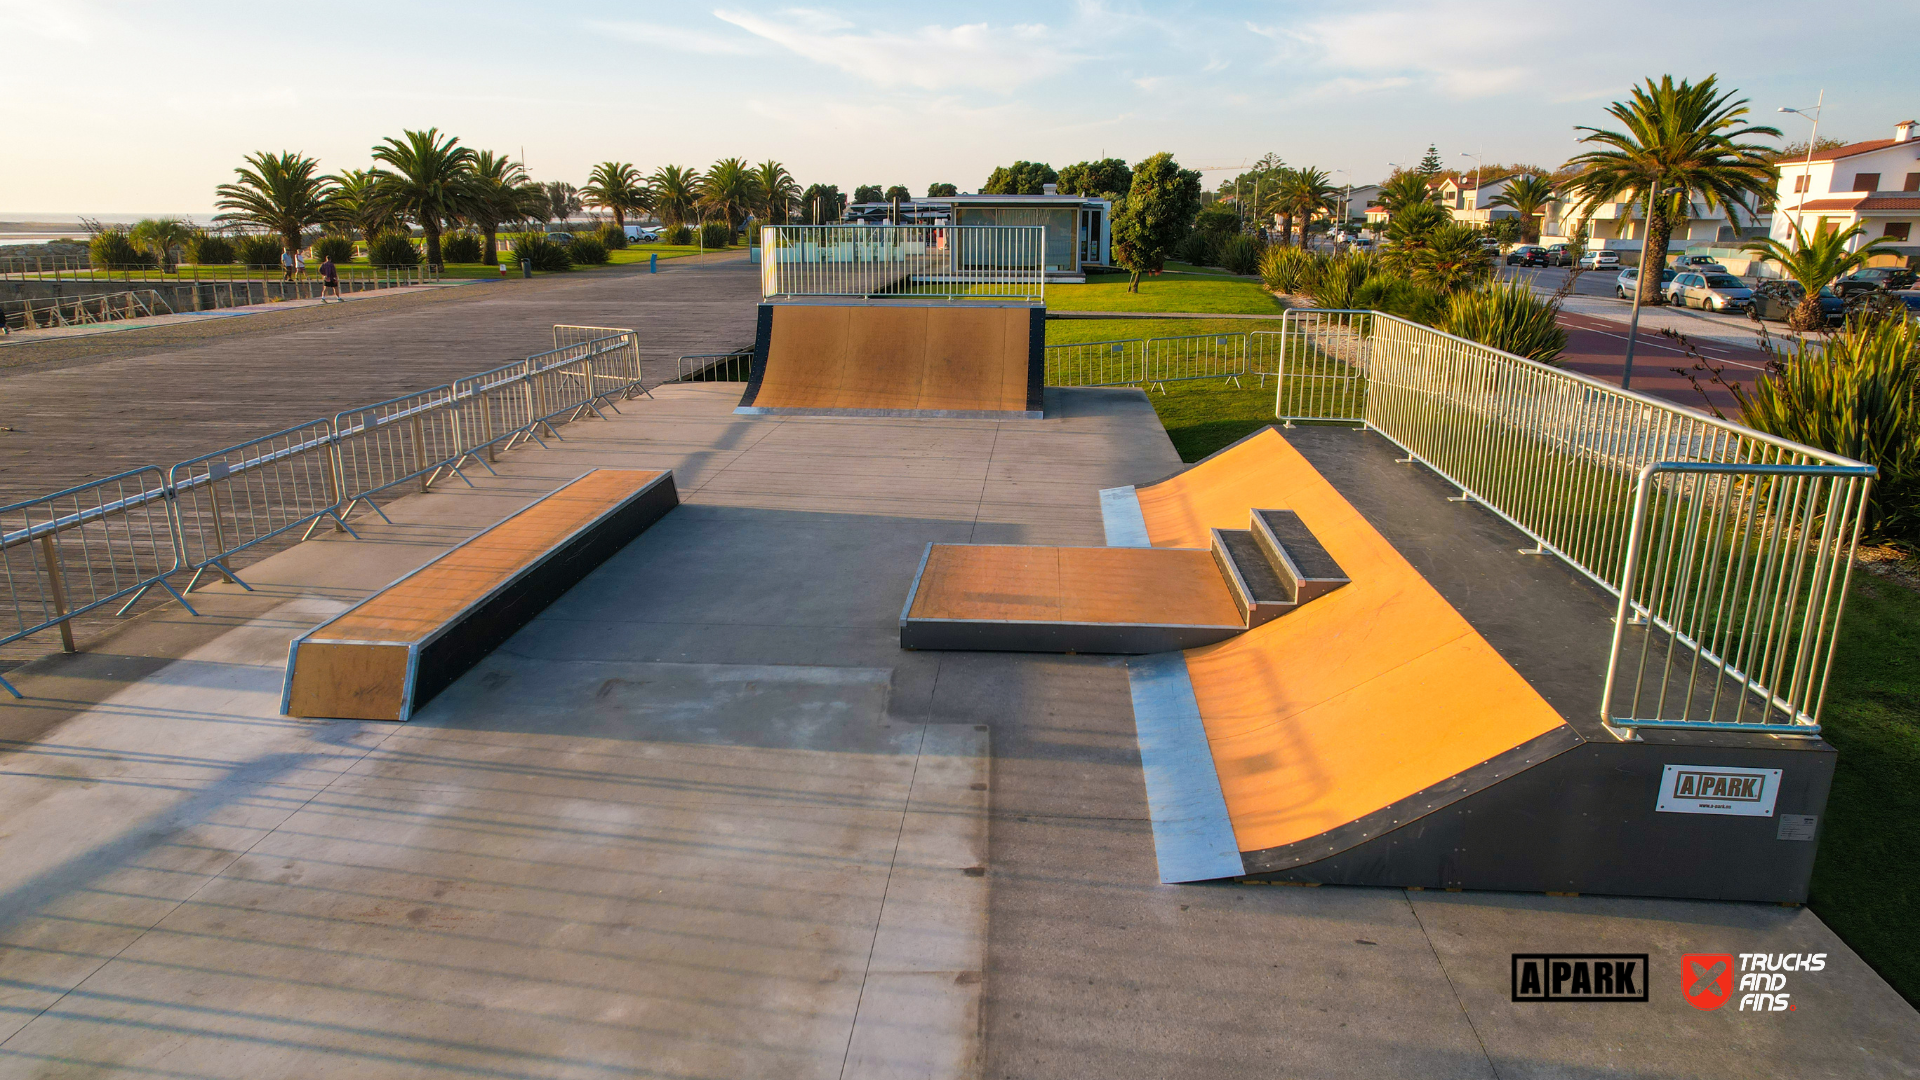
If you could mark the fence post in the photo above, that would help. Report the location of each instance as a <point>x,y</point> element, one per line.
<point>420,450</point>
<point>58,587</point>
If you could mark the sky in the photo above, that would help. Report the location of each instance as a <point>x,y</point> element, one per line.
<point>127,108</point>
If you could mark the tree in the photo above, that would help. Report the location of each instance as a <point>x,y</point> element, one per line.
<point>1816,262</point>
<point>1107,178</point>
<point>897,193</point>
<point>563,200</point>
<point>1305,194</point>
<point>1679,142</point>
<point>159,237</point>
<point>1161,201</point>
<point>941,191</point>
<point>429,179</point>
<point>867,193</point>
<point>1450,259</point>
<point>1527,196</point>
<point>1430,165</point>
<point>1408,233</point>
<point>675,191</point>
<point>501,193</point>
<point>774,192</point>
<point>280,193</point>
<point>1020,178</point>
<point>358,205</point>
<point>1405,189</point>
<point>822,203</point>
<point>726,192</point>
<point>615,186</point>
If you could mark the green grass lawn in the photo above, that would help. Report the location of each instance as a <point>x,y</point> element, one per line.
<point>633,254</point>
<point>1866,884</point>
<point>1168,292</point>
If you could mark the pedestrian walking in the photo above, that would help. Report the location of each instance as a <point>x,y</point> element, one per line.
<point>329,280</point>
<point>286,265</point>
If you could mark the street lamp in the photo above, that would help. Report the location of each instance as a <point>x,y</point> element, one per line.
<point>1639,287</point>
<point>1479,165</point>
<point>1806,168</point>
<point>1346,203</point>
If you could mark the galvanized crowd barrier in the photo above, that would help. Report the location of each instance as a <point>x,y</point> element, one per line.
<point>953,262</point>
<point>735,366</point>
<point>230,500</point>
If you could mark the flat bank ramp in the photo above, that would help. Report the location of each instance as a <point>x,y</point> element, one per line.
<point>1369,708</point>
<point>890,359</point>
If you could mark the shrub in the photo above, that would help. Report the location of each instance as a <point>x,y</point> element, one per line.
<point>715,234</point>
<point>1854,394</point>
<point>679,234</point>
<point>393,249</point>
<point>611,236</point>
<point>1506,315</point>
<point>337,248</point>
<point>1340,279</point>
<point>460,247</point>
<point>258,249</point>
<point>1396,295</point>
<point>1290,269</point>
<point>112,249</point>
<point>587,251</point>
<point>1240,254</point>
<point>1200,249</point>
<point>210,249</point>
<point>543,253</point>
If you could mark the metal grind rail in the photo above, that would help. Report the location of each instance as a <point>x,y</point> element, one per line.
<point>66,554</point>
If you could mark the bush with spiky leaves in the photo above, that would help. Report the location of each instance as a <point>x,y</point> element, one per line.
<point>587,251</point>
<point>337,248</point>
<point>715,235</point>
<point>258,249</point>
<point>1241,254</point>
<point>680,235</point>
<point>542,253</point>
<point>110,249</point>
<point>393,249</point>
<point>1506,315</point>
<point>1291,270</point>
<point>1450,259</point>
<point>1396,295</point>
<point>1338,283</point>
<point>461,247</point>
<point>209,249</point>
<point>611,236</point>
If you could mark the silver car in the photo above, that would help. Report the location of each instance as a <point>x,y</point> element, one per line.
<point>1709,291</point>
<point>1629,280</point>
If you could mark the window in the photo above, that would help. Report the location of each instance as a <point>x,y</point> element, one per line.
<point>1800,183</point>
<point>1866,181</point>
<point>1913,182</point>
<point>1899,230</point>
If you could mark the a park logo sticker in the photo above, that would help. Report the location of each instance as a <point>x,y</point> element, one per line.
<point>1710,789</point>
<point>1707,979</point>
<point>1579,976</point>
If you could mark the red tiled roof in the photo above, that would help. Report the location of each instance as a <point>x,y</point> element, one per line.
<point>1849,150</point>
<point>1861,200</point>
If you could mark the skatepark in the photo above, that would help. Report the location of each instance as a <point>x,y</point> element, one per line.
<point>895,713</point>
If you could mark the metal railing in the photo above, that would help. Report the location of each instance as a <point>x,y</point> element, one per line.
<point>1685,518</point>
<point>735,366</point>
<point>65,554</point>
<point>30,314</point>
<point>1319,362</point>
<point>952,262</point>
<point>79,269</point>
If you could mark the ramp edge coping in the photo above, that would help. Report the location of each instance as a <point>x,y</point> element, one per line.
<point>1193,837</point>
<point>1122,518</point>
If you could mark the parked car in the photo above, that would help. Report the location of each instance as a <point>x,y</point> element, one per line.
<point>1911,298</point>
<point>1599,260</point>
<point>1527,255</point>
<point>641,234</point>
<point>1701,263</point>
<point>560,237</point>
<point>1777,299</point>
<point>1709,292</point>
<point>1560,255</point>
<point>1629,280</point>
<point>1889,278</point>
<point>1490,245</point>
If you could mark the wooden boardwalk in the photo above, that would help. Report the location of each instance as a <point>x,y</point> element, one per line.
<point>81,409</point>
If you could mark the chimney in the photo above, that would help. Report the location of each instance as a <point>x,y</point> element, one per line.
<point>1049,189</point>
<point>1903,131</point>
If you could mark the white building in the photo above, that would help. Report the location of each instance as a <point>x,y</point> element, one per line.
<point>1359,199</point>
<point>1619,225</point>
<point>1875,184</point>
<point>1468,200</point>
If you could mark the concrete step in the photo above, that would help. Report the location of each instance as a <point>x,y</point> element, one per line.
<point>1303,566</point>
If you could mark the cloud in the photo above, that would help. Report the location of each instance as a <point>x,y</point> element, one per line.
<point>1463,52</point>
<point>978,56</point>
<point>50,22</point>
<point>678,38</point>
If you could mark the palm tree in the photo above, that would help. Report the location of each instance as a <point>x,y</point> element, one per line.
<point>501,193</point>
<point>563,200</point>
<point>1409,233</point>
<point>774,191</point>
<point>675,190</point>
<point>357,200</point>
<point>617,187</point>
<point>1450,259</point>
<point>727,191</point>
<point>281,193</point>
<point>1403,190</point>
<point>1815,262</point>
<point>1680,143</point>
<point>1305,194</point>
<point>159,237</point>
<point>1527,195</point>
<point>431,181</point>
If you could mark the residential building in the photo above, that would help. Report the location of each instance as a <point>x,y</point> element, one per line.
<point>1469,199</point>
<point>1875,184</point>
<point>1361,199</point>
<point>1619,225</point>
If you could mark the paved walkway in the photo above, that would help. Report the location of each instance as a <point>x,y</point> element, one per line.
<point>705,818</point>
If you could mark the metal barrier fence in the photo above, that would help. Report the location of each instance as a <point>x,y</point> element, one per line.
<point>1686,518</point>
<point>953,262</point>
<point>1153,362</point>
<point>68,553</point>
<point>716,367</point>
<point>80,269</point>
<point>29,314</point>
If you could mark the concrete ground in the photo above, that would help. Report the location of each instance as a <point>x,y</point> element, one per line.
<point>704,818</point>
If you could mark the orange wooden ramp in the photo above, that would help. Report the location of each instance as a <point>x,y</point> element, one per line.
<point>892,358</point>
<point>389,654</point>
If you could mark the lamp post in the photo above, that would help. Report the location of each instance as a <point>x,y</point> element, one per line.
<point>1479,165</point>
<point>1346,201</point>
<point>1806,168</point>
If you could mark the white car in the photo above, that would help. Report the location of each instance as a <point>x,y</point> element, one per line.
<point>1599,260</point>
<point>640,234</point>
<point>1709,291</point>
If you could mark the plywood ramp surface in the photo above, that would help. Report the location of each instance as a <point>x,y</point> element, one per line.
<point>416,606</point>
<point>1365,697</point>
<point>934,359</point>
<point>1153,586</point>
